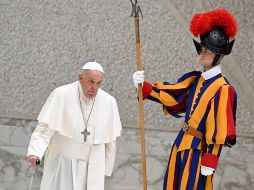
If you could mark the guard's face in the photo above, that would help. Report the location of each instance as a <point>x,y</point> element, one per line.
<point>90,82</point>
<point>206,58</point>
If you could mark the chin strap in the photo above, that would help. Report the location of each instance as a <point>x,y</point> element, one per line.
<point>217,59</point>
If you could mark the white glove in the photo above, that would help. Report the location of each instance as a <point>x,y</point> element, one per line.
<point>138,77</point>
<point>206,170</point>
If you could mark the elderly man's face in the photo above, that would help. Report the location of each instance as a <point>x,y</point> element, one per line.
<point>90,81</point>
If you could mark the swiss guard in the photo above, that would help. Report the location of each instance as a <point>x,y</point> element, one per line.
<point>207,101</point>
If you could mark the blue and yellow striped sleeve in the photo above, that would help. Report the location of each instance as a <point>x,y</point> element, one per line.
<point>221,120</point>
<point>173,97</point>
<point>220,123</point>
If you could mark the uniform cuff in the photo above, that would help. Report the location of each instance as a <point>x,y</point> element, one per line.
<point>210,160</point>
<point>147,89</point>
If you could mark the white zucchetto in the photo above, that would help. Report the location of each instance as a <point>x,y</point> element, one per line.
<point>93,66</point>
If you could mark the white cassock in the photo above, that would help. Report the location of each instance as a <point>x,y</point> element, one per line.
<point>70,163</point>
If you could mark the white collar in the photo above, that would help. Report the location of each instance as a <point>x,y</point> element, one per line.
<point>212,72</point>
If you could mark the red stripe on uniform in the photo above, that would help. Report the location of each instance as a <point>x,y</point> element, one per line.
<point>231,132</point>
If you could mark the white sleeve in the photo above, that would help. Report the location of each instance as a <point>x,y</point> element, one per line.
<point>110,157</point>
<point>40,140</point>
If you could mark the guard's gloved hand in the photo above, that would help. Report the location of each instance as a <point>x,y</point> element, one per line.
<point>138,77</point>
<point>209,164</point>
<point>206,170</point>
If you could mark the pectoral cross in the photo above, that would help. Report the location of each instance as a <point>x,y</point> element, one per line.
<point>85,133</point>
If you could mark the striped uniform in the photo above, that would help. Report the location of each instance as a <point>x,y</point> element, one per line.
<point>209,107</point>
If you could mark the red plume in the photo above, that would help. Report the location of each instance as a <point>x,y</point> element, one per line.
<point>206,22</point>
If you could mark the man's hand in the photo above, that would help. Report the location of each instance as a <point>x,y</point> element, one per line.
<point>138,77</point>
<point>33,161</point>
